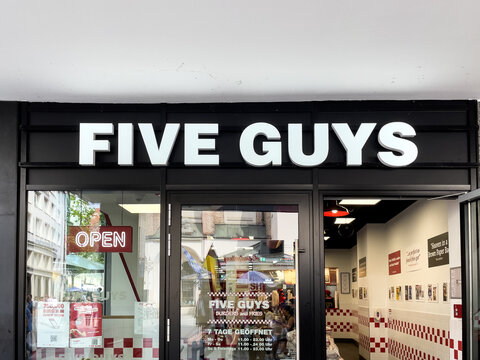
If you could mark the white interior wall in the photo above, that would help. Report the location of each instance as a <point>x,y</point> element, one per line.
<point>341,259</point>
<point>121,293</point>
<point>412,228</point>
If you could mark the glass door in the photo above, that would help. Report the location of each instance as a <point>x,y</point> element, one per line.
<point>235,276</point>
<point>470,216</point>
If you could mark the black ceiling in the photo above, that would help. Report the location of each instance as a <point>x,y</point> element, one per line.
<point>345,236</point>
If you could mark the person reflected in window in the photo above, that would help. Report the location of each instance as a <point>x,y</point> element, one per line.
<point>29,327</point>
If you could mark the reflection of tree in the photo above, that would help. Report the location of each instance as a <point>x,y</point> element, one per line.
<point>81,213</point>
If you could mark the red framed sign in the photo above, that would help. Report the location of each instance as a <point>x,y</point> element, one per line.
<point>99,239</point>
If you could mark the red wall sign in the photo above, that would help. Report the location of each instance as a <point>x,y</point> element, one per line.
<point>394,263</point>
<point>99,239</point>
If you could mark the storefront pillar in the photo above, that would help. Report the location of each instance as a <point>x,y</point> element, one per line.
<point>8,226</point>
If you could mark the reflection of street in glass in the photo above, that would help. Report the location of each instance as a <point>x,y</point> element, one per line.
<point>239,301</point>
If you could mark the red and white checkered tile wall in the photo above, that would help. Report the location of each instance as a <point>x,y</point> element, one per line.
<point>407,338</point>
<point>364,332</point>
<point>410,338</point>
<point>113,348</point>
<point>343,323</point>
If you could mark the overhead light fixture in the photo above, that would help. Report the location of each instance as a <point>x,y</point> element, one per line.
<point>343,221</point>
<point>141,208</point>
<point>335,210</point>
<point>366,202</point>
<point>326,238</point>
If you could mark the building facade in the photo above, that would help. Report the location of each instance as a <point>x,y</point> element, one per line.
<point>240,231</point>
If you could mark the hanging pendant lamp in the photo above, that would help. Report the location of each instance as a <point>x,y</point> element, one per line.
<point>335,210</point>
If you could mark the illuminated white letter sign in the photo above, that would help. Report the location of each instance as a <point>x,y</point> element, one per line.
<point>89,145</point>
<point>272,149</point>
<point>260,144</point>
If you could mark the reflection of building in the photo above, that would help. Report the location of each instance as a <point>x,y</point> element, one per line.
<point>45,243</point>
<point>149,256</point>
<point>242,241</point>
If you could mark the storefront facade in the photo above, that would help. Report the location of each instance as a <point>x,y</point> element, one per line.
<point>237,221</point>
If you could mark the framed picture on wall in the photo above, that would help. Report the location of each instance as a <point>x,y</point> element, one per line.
<point>445,292</point>
<point>419,293</point>
<point>435,294</point>
<point>345,283</point>
<point>432,291</point>
<point>360,293</point>
<point>327,276</point>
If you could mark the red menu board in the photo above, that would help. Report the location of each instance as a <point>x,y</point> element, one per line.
<point>99,239</point>
<point>394,263</point>
<point>85,324</point>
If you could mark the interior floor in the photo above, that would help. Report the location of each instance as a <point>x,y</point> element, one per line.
<point>348,350</point>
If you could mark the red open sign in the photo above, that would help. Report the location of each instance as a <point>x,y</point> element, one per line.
<point>99,239</point>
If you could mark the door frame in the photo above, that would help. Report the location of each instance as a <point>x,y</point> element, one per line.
<point>470,261</point>
<point>307,345</point>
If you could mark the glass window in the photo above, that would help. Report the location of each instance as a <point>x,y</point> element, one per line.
<point>93,275</point>
<point>238,281</point>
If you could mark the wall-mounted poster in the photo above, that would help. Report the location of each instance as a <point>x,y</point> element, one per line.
<point>438,250</point>
<point>394,263</point>
<point>456,283</point>
<point>445,292</point>
<point>354,275</point>
<point>360,293</point>
<point>362,266</point>
<point>398,293</point>
<point>410,291</point>
<point>392,291</point>
<point>85,325</point>
<point>414,258</point>
<point>364,292</point>
<point>146,319</point>
<point>419,293</point>
<point>53,322</point>
<point>406,292</point>
<point>345,283</point>
<point>432,291</point>
<point>353,293</point>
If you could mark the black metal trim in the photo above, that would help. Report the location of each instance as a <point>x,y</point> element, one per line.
<point>74,165</point>
<point>473,145</point>
<point>307,301</point>
<point>318,269</point>
<point>63,187</point>
<point>465,280</point>
<point>163,267</point>
<point>21,245</point>
<point>234,128</point>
